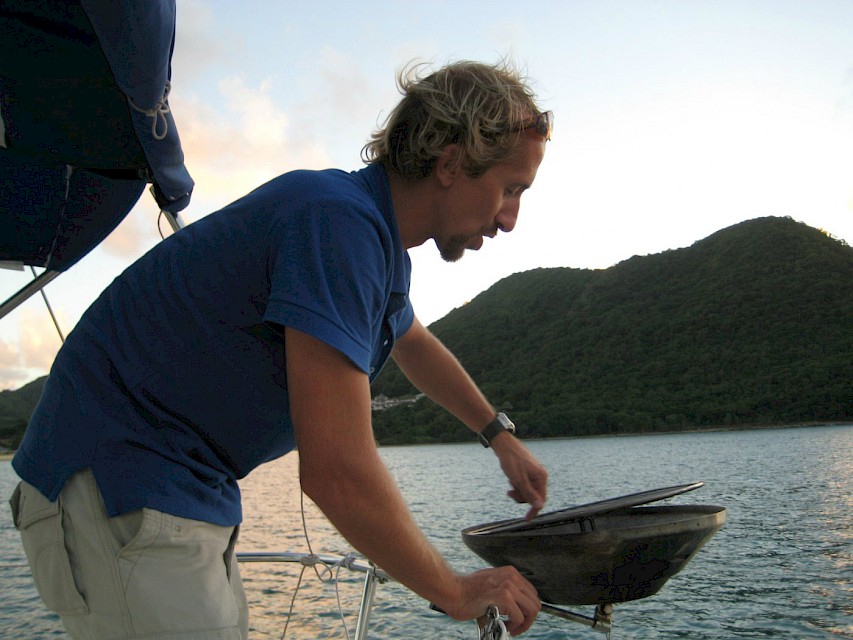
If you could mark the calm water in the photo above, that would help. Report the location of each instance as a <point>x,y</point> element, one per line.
<point>782,566</point>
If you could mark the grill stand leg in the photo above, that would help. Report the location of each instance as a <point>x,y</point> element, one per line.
<point>602,620</point>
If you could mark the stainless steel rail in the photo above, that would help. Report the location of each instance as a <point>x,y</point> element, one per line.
<point>373,575</point>
<point>601,622</point>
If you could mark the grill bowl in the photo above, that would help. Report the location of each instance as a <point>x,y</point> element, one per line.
<point>603,558</point>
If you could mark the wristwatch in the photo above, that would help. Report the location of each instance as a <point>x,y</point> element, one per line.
<point>499,424</point>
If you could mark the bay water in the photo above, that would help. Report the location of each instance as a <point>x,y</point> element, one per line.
<point>781,567</point>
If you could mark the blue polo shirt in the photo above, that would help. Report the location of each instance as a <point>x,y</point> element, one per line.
<point>172,385</point>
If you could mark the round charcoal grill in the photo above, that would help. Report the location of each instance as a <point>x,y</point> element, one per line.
<point>604,552</point>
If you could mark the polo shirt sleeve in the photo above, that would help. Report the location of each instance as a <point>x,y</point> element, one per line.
<point>329,276</point>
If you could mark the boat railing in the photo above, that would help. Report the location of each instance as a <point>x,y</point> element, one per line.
<point>374,576</point>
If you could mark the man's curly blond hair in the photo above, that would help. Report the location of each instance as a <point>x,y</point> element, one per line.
<point>478,106</point>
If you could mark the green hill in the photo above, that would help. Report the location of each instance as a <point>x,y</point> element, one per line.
<point>752,325</point>
<point>15,410</point>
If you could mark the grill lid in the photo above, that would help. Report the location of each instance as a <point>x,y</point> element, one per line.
<point>583,511</point>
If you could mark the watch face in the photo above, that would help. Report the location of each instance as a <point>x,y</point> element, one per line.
<point>506,422</point>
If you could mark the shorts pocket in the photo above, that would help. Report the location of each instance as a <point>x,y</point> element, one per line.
<point>175,579</point>
<point>40,523</point>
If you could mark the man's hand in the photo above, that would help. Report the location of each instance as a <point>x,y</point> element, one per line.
<point>503,587</point>
<point>435,371</point>
<point>528,477</point>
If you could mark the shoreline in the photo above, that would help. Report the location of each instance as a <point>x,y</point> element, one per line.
<point>628,434</point>
<point>8,455</point>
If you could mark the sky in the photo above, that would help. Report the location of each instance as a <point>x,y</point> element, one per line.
<point>673,119</point>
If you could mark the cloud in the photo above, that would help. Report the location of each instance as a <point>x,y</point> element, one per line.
<point>39,340</point>
<point>240,142</point>
<point>346,89</point>
<point>138,231</point>
<point>32,353</point>
<point>262,126</point>
<point>198,46</point>
<point>11,372</point>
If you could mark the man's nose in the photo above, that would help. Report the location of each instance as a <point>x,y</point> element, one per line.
<point>507,217</point>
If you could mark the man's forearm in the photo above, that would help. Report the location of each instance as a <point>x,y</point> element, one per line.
<point>363,503</point>
<point>342,472</point>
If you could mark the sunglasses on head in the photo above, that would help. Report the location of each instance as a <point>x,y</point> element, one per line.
<point>543,124</point>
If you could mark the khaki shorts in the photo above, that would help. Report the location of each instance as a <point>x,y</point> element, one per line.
<point>144,574</point>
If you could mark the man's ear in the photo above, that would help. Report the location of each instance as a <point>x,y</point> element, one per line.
<point>449,165</point>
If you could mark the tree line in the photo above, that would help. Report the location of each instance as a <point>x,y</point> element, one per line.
<point>750,326</point>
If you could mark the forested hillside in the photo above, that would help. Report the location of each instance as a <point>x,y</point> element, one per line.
<point>752,325</point>
<point>15,410</point>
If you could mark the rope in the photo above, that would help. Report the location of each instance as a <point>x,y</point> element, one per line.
<point>493,628</point>
<point>315,562</point>
<point>157,113</point>
<point>160,228</point>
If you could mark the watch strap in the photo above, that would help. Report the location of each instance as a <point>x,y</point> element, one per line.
<point>500,424</point>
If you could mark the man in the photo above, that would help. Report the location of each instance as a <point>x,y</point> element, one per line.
<point>257,329</point>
